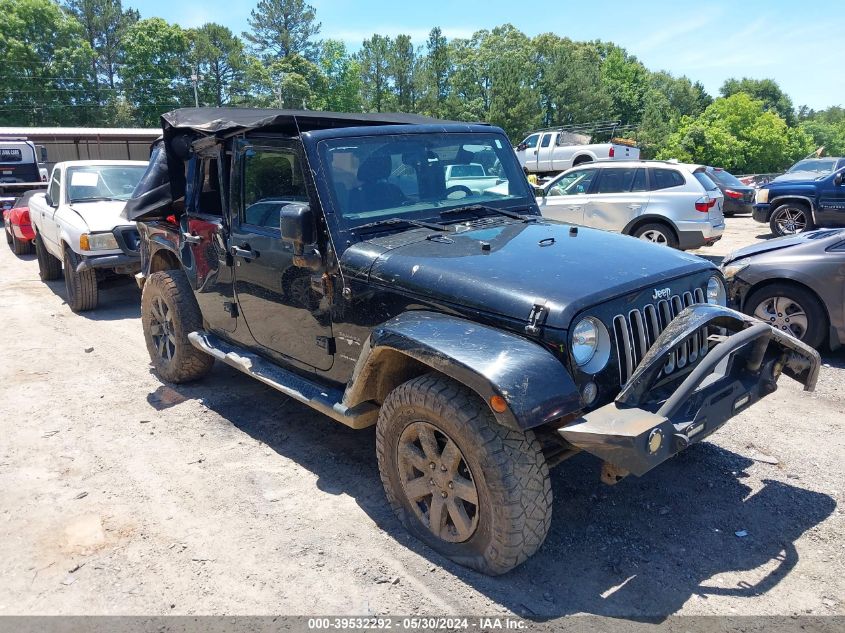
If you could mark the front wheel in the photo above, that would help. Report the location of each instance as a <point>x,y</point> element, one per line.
<point>789,219</point>
<point>792,309</point>
<point>81,287</point>
<point>472,490</point>
<point>169,312</point>
<point>657,234</point>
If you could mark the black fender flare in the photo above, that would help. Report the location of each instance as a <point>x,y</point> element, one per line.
<point>535,384</point>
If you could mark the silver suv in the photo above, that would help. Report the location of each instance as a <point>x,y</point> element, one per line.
<point>665,202</point>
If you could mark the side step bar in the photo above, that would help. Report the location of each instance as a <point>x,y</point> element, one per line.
<point>326,400</point>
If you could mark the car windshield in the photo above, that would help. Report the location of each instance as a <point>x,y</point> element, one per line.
<point>102,182</point>
<point>418,176</point>
<point>724,178</point>
<point>819,165</point>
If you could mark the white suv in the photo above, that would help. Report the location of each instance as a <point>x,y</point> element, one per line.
<point>665,202</point>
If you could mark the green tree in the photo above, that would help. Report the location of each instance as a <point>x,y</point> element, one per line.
<point>374,62</point>
<point>625,80</point>
<point>667,100</point>
<point>47,69</point>
<point>105,23</point>
<point>765,90</point>
<point>739,134</point>
<point>434,74</point>
<point>291,82</point>
<point>343,78</point>
<point>156,69</point>
<point>402,68</point>
<point>219,56</point>
<point>283,27</point>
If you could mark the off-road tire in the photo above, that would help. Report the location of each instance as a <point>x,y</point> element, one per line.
<point>187,363</point>
<point>508,468</point>
<point>8,233</point>
<point>81,287</point>
<point>817,320</point>
<point>49,267</point>
<point>797,208</point>
<point>664,229</point>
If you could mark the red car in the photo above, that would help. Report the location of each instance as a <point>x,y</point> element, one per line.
<point>19,232</point>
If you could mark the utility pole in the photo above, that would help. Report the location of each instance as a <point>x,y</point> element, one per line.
<point>194,79</point>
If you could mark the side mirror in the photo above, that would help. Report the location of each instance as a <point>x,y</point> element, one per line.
<point>539,192</point>
<point>49,200</point>
<point>43,151</point>
<point>296,222</point>
<point>521,147</point>
<point>837,179</point>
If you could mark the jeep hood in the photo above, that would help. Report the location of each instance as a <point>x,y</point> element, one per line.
<point>504,267</point>
<point>102,215</point>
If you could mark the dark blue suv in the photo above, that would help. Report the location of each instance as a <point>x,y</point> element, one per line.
<point>794,206</point>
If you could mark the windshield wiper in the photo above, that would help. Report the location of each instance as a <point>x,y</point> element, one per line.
<point>393,221</point>
<point>94,199</point>
<point>477,208</point>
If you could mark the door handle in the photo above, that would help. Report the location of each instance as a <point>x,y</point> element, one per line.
<point>535,151</point>
<point>635,207</point>
<point>244,251</point>
<point>190,238</point>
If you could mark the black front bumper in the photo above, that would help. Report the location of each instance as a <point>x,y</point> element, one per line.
<point>126,263</point>
<point>635,433</point>
<point>761,213</point>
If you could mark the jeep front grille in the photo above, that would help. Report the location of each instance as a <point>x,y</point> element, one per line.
<point>636,332</point>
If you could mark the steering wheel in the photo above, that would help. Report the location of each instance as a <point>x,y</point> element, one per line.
<point>456,189</point>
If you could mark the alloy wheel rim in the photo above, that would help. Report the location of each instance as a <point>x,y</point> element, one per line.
<point>438,483</point>
<point>654,236</point>
<point>791,221</point>
<point>784,314</point>
<point>162,329</point>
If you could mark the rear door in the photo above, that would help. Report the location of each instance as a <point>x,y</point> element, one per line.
<point>567,196</point>
<point>283,305</point>
<point>544,152</point>
<point>619,195</point>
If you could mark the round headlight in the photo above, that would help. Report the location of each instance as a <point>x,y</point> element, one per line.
<point>585,341</point>
<point>716,292</point>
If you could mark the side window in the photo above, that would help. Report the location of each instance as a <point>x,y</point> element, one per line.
<point>55,188</point>
<point>573,183</point>
<point>547,138</point>
<point>205,195</point>
<point>620,180</point>
<point>531,141</point>
<point>272,179</point>
<point>665,178</point>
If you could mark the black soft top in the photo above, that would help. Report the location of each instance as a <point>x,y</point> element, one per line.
<point>161,190</point>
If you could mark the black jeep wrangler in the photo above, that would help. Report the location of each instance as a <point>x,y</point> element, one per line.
<point>330,257</point>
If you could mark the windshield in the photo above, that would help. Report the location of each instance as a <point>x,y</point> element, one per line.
<point>417,176</point>
<point>819,165</point>
<point>724,178</point>
<point>99,182</point>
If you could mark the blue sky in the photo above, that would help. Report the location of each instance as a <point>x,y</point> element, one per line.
<point>799,44</point>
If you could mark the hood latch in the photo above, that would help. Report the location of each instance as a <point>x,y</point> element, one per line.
<point>536,319</point>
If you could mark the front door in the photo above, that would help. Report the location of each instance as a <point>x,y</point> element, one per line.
<point>619,196</point>
<point>831,209</point>
<point>544,153</point>
<point>281,304</point>
<point>566,197</point>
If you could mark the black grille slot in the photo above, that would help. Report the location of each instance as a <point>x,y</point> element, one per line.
<point>129,240</point>
<point>637,331</point>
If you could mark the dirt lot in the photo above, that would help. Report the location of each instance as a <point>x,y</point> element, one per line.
<point>119,495</point>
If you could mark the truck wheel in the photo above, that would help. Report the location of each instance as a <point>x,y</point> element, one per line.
<point>81,287</point>
<point>169,312</point>
<point>792,309</point>
<point>20,247</point>
<point>657,233</point>
<point>49,267</point>
<point>790,218</point>
<point>472,490</point>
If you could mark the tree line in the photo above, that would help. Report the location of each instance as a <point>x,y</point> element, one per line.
<point>94,62</point>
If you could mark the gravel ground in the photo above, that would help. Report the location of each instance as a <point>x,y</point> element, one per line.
<point>120,495</point>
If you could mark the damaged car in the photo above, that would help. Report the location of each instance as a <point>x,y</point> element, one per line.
<point>328,256</point>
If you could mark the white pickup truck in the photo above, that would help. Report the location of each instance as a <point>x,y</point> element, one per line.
<point>550,152</point>
<point>78,225</point>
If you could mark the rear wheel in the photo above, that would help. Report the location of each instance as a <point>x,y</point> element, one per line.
<point>20,247</point>
<point>790,218</point>
<point>169,312</point>
<point>82,292</point>
<point>472,490</point>
<point>792,309</point>
<point>657,234</point>
<point>49,267</point>
<point>8,232</point>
